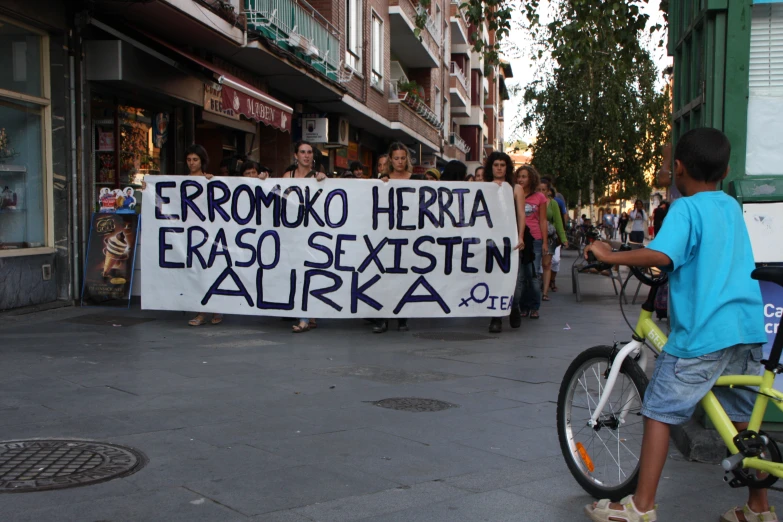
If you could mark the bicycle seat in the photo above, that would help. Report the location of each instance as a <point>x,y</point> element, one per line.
<point>771,274</point>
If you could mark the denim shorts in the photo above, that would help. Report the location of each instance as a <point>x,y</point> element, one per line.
<point>677,384</point>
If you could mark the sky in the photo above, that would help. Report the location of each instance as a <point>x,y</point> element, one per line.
<point>524,67</point>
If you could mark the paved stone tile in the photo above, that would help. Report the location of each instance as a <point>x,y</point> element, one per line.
<point>493,506</point>
<point>80,427</point>
<point>193,466</point>
<point>520,444</point>
<point>512,474</point>
<point>289,488</point>
<point>174,418</point>
<point>178,505</point>
<point>388,501</point>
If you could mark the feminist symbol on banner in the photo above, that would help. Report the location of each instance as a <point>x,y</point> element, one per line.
<point>466,301</point>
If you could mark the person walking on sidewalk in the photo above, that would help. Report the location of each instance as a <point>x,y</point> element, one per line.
<point>639,219</point>
<point>529,286</point>
<point>556,237</point>
<point>501,168</point>
<point>304,155</point>
<point>621,224</point>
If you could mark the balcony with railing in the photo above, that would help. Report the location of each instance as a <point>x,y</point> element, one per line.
<point>297,27</point>
<point>412,46</point>
<point>459,143</point>
<point>459,24</point>
<point>458,91</point>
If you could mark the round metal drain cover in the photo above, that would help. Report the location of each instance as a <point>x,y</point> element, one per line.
<point>39,465</point>
<point>452,336</point>
<point>414,404</point>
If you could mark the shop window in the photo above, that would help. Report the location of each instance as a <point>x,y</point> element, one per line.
<point>119,164</point>
<point>24,148</point>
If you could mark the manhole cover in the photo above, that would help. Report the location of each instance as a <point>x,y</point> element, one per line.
<point>452,336</point>
<point>39,465</point>
<point>107,320</point>
<point>414,404</point>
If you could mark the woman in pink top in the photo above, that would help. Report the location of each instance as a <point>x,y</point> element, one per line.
<point>535,218</point>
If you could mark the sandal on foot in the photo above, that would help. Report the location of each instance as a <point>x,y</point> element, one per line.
<point>198,320</point>
<point>534,314</point>
<point>217,318</point>
<point>553,286</point>
<point>300,328</point>
<point>312,324</point>
<point>602,511</point>
<point>545,297</point>
<point>524,313</point>
<point>750,516</point>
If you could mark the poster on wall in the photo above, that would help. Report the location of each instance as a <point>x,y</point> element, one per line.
<point>121,201</point>
<point>111,251</point>
<point>330,249</point>
<point>772,296</point>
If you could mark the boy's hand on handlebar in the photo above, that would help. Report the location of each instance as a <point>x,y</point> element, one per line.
<point>600,250</point>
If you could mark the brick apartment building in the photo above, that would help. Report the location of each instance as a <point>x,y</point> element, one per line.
<point>120,89</point>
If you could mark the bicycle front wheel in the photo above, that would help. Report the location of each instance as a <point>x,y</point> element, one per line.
<point>604,459</point>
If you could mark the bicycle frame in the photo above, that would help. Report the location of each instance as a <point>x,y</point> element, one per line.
<point>647,329</point>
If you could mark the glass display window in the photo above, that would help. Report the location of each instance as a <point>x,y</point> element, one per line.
<point>25,153</point>
<point>129,142</point>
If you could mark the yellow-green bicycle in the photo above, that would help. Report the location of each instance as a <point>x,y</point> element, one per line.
<point>599,419</point>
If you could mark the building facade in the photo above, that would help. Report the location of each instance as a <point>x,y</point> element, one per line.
<point>102,93</point>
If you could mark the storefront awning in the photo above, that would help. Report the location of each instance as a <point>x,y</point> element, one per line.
<point>241,96</point>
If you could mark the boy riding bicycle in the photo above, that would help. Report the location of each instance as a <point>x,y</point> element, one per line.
<point>716,319</point>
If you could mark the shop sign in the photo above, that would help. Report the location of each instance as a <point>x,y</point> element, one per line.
<point>384,255</point>
<point>428,161</point>
<point>105,141</point>
<point>121,201</point>
<point>111,251</point>
<point>213,102</point>
<point>353,151</point>
<point>256,109</point>
<point>315,130</point>
<point>341,158</point>
<point>772,296</point>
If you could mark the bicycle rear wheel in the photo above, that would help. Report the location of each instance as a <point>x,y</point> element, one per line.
<point>603,459</point>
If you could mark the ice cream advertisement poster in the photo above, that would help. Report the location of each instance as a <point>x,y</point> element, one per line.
<point>108,272</point>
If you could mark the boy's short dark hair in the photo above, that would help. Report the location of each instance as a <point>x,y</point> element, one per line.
<point>355,165</point>
<point>704,152</point>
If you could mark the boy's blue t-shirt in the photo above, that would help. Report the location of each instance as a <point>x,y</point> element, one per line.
<point>714,302</point>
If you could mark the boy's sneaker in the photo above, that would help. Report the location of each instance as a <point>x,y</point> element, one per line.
<point>750,515</point>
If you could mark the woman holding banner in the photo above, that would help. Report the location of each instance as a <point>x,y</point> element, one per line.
<point>304,154</point>
<point>502,169</point>
<point>197,160</point>
<point>401,168</point>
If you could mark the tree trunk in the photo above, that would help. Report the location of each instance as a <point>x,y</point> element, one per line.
<point>592,199</point>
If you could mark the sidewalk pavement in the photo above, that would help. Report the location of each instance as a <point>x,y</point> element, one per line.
<point>245,421</point>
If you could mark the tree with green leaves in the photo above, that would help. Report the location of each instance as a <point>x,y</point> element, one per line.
<point>600,119</point>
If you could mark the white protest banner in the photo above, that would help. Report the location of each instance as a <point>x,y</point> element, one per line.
<point>331,249</point>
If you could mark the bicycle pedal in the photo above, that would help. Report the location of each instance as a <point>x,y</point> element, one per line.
<point>750,443</point>
<point>733,481</point>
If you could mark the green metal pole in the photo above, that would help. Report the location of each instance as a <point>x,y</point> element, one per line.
<point>735,107</point>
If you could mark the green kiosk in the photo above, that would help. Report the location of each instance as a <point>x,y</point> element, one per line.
<point>728,74</point>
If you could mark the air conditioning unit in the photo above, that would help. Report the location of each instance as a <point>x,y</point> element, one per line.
<point>339,131</point>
